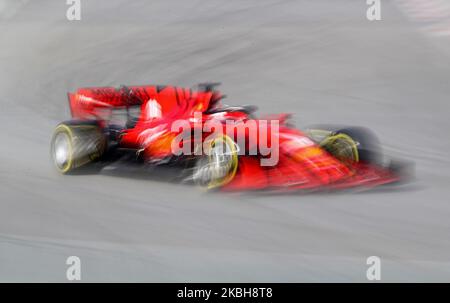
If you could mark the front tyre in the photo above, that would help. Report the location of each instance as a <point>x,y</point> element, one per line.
<point>219,164</point>
<point>349,144</point>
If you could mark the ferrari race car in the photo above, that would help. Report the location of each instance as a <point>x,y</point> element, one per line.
<point>219,146</point>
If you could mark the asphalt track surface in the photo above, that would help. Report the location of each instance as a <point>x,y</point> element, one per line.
<point>320,60</point>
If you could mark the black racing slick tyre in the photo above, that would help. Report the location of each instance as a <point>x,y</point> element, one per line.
<point>75,144</point>
<point>350,144</point>
<point>219,164</point>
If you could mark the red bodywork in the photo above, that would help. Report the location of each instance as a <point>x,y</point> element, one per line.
<point>300,166</point>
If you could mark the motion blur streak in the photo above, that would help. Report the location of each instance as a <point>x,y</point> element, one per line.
<point>321,60</point>
<point>432,15</point>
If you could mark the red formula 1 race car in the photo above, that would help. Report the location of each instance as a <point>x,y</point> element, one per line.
<point>220,146</point>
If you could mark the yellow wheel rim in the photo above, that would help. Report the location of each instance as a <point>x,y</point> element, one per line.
<point>218,181</point>
<point>334,143</point>
<point>65,130</point>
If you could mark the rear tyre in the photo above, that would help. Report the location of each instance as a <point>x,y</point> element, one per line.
<point>75,144</point>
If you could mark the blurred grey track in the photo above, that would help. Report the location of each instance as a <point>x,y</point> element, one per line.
<point>321,60</point>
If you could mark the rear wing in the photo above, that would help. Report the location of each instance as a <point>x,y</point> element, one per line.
<point>98,102</point>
